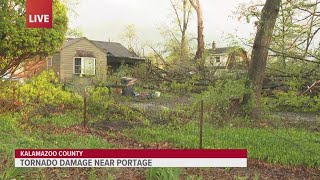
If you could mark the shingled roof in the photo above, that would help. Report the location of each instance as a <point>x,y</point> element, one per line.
<point>222,50</point>
<point>111,48</point>
<point>115,49</point>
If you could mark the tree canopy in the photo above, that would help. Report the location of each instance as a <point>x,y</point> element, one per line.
<point>19,44</point>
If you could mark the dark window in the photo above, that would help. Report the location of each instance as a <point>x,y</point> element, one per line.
<point>77,65</point>
<point>218,59</point>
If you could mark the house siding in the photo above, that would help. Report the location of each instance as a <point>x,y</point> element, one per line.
<point>68,54</point>
<point>56,64</point>
<point>211,60</point>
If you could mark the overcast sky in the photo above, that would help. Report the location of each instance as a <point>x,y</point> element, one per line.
<point>104,19</point>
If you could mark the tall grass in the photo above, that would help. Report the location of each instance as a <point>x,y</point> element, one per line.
<point>279,146</point>
<point>15,135</point>
<point>163,173</point>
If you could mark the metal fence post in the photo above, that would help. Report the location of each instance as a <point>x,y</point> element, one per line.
<point>201,124</point>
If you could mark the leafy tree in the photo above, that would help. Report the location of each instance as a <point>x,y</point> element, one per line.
<point>19,44</point>
<point>71,6</point>
<point>131,39</point>
<point>296,31</point>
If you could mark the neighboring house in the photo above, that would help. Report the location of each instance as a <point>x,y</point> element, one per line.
<point>227,57</point>
<point>83,57</point>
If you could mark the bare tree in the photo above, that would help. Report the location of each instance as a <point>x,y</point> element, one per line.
<point>260,50</point>
<point>197,6</point>
<point>183,22</point>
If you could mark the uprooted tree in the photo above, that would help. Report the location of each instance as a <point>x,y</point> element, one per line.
<point>19,44</point>
<point>260,51</point>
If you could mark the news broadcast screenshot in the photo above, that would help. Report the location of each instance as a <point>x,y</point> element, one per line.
<point>160,89</point>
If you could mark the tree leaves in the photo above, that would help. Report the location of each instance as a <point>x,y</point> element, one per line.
<point>19,44</point>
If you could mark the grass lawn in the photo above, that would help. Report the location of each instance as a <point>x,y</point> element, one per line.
<point>279,146</point>
<point>15,135</point>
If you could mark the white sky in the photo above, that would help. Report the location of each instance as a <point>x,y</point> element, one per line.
<point>104,19</point>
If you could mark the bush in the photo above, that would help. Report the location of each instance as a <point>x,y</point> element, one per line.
<point>180,88</point>
<point>99,102</point>
<point>292,100</point>
<point>218,99</point>
<point>45,90</point>
<point>42,93</point>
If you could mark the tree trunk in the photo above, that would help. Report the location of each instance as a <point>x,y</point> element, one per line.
<point>183,50</point>
<point>183,46</point>
<point>259,56</point>
<point>183,23</point>
<point>200,50</point>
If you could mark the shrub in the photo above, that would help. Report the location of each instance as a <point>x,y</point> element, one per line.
<point>180,88</point>
<point>218,99</point>
<point>39,93</point>
<point>292,100</point>
<point>45,90</point>
<point>99,102</point>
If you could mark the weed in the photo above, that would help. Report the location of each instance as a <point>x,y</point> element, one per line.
<point>163,173</point>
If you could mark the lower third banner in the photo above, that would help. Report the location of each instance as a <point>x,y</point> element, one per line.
<point>130,158</point>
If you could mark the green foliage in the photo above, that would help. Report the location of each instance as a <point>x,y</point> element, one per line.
<point>292,100</point>
<point>99,102</point>
<point>217,100</point>
<point>123,71</point>
<point>163,173</point>
<point>181,88</point>
<point>140,71</point>
<point>18,44</point>
<point>45,90</point>
<point>278,146</point>
<point>15,135</point>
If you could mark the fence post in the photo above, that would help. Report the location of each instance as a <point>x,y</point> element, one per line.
<point>85,109</point>
<point>201,124</point>
<point>13,101</point>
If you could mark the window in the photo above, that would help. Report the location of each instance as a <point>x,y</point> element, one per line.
<point>84,65</point>
<point>218,59</point>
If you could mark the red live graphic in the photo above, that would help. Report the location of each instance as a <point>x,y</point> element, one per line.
<point>39,14</point>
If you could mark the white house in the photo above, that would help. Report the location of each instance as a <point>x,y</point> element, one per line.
<point>226,57</point>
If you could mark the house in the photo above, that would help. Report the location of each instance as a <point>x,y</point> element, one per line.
<point>80,57</point>
<point>227,57</point>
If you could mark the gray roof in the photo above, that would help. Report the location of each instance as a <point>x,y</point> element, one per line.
<point>111,48</point>
<point>115,49</point>
<point>69,41</point>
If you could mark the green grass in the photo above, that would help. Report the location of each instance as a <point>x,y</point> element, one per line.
<point>278,146</point>
<point>16,135</point>
<point>65,120</point>
<point>163,173</point>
